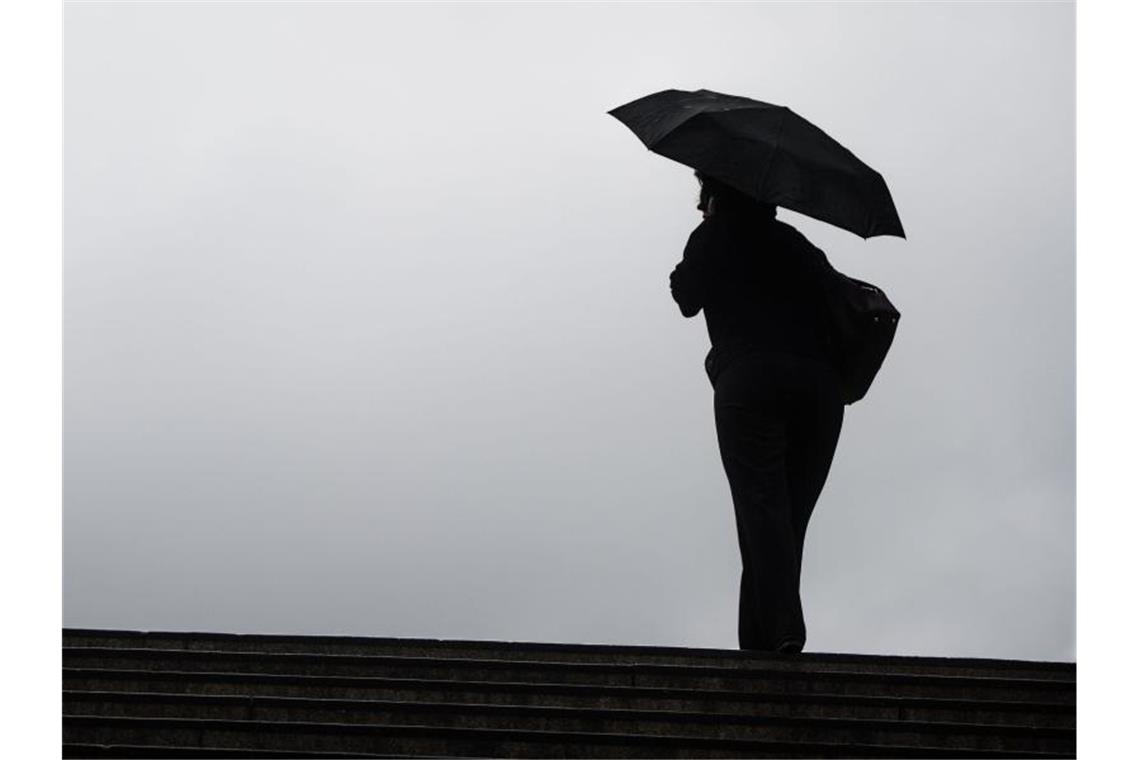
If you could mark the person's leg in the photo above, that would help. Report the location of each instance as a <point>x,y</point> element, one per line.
<point>749,633</point>
<point>813,434</point>
<point>751,408</point>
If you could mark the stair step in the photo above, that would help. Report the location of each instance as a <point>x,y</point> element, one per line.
<point>1042,714</point>
<point>474,742</point>
<point>170,694</point>
<point>807,679</point>
<point>159,751</point>
<point>547,652</point>
<point>571,719</point>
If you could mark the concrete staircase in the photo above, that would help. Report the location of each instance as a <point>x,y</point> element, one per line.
<point>133,694</point>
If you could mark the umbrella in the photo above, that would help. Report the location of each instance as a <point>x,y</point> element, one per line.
<point>766,151</point>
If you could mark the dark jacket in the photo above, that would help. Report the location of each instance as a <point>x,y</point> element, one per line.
<point>758,283</point>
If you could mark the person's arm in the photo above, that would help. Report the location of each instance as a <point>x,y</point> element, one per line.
<point>689,281</point>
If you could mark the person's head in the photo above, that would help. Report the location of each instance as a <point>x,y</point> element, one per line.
<point>720,198</point>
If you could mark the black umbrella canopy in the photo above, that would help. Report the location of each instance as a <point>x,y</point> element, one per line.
<point>767,151</point>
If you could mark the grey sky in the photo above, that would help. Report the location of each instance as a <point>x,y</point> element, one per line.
<point>368,328</point>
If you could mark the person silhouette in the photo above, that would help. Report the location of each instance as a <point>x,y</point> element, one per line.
<point>777,400</point>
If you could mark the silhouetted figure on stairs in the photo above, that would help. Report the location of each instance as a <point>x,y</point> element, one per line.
<point>777,400</point>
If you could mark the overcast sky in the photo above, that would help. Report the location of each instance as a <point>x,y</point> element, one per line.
<point>368,328</point>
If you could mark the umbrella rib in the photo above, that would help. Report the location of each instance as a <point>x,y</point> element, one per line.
<point>683,122</point>
<point>772,155</point>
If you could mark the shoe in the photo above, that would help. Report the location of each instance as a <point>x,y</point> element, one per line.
<point>790,646</point>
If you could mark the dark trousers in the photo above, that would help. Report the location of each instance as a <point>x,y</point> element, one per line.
<point>777,421</point>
